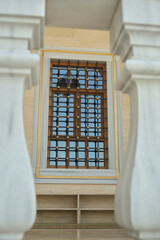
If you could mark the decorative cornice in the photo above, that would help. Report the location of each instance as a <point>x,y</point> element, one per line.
<point>21,32</point>
<point>135,69</point>
<point>138,41</point>
<point>24,64</point>
<point>135,36</point>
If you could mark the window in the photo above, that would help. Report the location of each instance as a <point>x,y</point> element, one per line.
<point>77,126</point>
<point>77,130</point>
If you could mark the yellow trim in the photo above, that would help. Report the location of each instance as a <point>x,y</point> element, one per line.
<point>115,113</point>
<point>40,118</point>
<point>85,177</point>
<point>76,52</point>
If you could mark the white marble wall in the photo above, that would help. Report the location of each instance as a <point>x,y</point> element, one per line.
<point>21,31</point>
<point>135,34</point>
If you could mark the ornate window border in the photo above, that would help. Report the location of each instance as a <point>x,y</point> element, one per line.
<point>43,174</point>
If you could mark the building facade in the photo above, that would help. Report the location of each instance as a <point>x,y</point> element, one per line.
<point>75,198</point>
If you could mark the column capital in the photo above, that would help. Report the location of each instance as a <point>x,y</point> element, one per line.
<point>22,24</point>
<point>20,64</point>
<point>135,29</point>
<point>137,70</point>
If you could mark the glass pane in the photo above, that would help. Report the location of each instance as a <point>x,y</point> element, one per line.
<point>96,154</point>
<point>63,112</point>
<point>77,77</point>
<point>77,153</point>
<point>95,78</point>
<point>57,153</point>
<point>91,115</point>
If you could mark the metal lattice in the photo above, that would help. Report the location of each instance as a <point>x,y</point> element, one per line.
<point>77,129</point>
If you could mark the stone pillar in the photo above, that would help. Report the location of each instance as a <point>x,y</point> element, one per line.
<point>135,36</point>
<point>21,24</point>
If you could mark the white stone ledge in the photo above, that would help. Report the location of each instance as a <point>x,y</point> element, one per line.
<point>78,172</point>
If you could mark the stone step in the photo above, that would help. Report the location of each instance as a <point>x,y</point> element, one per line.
<point>75,226</point>
<point>77,234</point>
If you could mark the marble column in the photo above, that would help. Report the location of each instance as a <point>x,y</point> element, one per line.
<point>135,36</point>
<point>21,24</point>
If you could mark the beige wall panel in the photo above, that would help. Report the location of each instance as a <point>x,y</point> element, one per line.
<point>125,120</point>
<point>29,99</point>
<point>44,201</point>
<point>97,201</point>
<point>97,217</point>
<point>66,37</point>
<point>125,105</point>
<point>73,189</point>
<point>56,217</point>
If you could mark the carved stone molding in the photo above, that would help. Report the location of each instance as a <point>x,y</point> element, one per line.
<point>137,198</point>
<point>20,33</point>
<point>138,41</point>
<point>23,64</point>
<point>137,70</point>
<point>21,24</point>
<point>135,34</point>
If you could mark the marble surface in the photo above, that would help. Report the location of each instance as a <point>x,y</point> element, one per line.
<point>23,8</point>
<point>135,34</point>
<point>17,201</point>
<point>95,14</point>
<point>21,27</point>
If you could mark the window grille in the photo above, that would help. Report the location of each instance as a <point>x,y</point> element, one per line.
<point>77,125</point>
